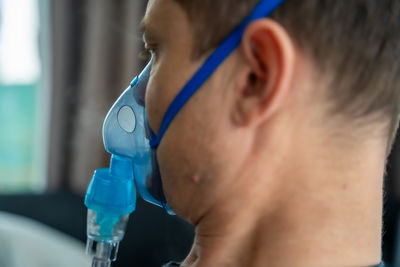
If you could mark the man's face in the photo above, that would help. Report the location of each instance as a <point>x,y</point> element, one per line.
<point>195,147</point>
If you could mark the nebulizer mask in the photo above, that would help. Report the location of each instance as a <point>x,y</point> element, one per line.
<point>111,194</point>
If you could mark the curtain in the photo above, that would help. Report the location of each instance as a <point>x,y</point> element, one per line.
<point>94,57</point>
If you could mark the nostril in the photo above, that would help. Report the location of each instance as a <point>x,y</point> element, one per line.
<point>127,119</point>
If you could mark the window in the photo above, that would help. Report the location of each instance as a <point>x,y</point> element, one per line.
<point>20,97</point>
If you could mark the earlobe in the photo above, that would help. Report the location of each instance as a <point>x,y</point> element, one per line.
<point>268,53</point>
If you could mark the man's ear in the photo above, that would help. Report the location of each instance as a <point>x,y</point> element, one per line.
<point>268,54</point>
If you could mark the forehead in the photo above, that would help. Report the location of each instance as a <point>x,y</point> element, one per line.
<point>163,17</point>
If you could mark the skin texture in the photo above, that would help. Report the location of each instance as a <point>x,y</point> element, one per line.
<point>255,161</point>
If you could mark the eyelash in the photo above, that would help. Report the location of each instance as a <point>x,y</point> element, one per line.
<point>146,54</point>
<point>150,50</point>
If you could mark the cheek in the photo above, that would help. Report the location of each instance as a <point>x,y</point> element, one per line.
<point>153,105</point>
<point>166,79</point>
<point>158,96</point>
<point>191,153</point>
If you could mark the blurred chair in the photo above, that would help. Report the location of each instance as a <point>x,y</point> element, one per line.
<point>152,238</point>
<point>25,242</point>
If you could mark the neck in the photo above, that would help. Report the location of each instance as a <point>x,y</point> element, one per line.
<point>321,214</point>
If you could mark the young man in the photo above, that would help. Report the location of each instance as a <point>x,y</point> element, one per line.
<point>278,159</point>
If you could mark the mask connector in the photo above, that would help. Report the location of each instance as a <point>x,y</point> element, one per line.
<point>103,253</point>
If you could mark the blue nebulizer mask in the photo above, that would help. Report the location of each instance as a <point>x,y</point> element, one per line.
<point>111,194</point>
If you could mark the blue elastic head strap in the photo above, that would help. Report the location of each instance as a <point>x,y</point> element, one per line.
<point>261,10</point>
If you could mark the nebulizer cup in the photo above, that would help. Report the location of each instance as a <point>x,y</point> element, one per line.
<point>110,198</point>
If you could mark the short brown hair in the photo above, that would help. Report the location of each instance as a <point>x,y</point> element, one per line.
<point>357,42</point>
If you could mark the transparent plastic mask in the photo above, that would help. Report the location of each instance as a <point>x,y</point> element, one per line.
<point>126,133</point>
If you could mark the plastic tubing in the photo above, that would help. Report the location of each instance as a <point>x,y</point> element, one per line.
<point>105,253</point>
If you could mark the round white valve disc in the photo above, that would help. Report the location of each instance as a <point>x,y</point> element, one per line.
<point>127,119</point>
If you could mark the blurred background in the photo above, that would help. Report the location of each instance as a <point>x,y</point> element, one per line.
<point>62,65</point>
